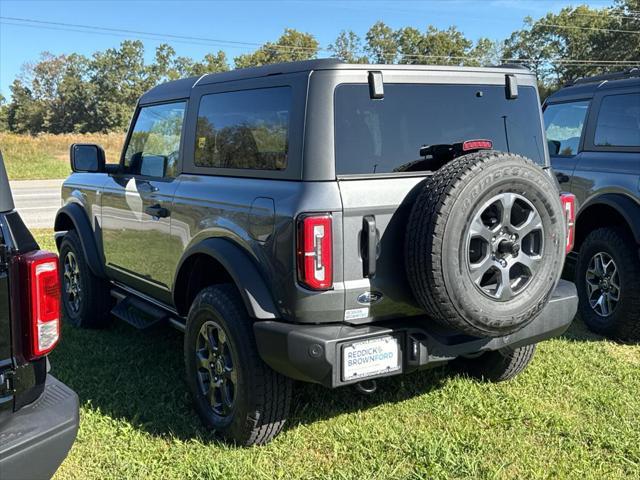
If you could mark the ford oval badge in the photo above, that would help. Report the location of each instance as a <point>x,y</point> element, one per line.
<point>369,298</point>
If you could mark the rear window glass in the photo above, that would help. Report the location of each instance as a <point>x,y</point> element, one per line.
<point>383,136</point>
<point>244,129</point>
<point>618,122</point>
<point>564,123</point>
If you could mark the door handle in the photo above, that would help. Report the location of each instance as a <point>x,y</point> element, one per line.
<point>369,246</point>
<point>157,211</point>
<point>562,178</point>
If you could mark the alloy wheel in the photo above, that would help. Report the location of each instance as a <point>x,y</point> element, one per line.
<point>505,243</point>
<point>72,282</point>
<point>603,284</point>
<point>216,368</point>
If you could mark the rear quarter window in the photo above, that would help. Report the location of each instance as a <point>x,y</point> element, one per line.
<point>618,123</point>
<point>247,129</point>
<point>381,136</point>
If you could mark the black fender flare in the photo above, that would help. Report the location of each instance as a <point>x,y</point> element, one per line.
<point>250,283</point>
<point>81,224</point>
<point>628,208</point>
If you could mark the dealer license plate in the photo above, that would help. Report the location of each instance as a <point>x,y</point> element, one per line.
<point>370,357</point>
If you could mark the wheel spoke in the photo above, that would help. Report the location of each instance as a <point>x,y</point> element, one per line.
<point>478,270</point>
<point>506,200</point>
<point>203,359</point>
<point>531,224</point>
<point>504,290</point>
<point>532,262</point>
<point>479,230</point>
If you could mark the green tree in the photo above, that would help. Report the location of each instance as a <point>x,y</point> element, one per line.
<point>577,41</point>
<point>290,47</point>
<point>348,48</point>
<point>119,77</point>
<point>4,112</point>
<point>382,44</point>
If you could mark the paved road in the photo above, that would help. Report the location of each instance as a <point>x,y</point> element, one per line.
<point>37,201</point>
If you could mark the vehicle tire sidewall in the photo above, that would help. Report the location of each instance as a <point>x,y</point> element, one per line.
<point>70,243</point>
<point>503,317</point>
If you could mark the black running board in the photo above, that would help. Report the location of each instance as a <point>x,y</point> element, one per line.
<point>142,314</point>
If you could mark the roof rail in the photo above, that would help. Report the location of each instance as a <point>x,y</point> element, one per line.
<point>628,73</point>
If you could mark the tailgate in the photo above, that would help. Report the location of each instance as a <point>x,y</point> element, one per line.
<point>386,201</point>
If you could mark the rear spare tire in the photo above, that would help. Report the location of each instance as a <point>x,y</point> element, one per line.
<point>485,243</point>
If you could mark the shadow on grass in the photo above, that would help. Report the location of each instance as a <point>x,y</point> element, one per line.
<point>139,377</point>
<point>579,332</point>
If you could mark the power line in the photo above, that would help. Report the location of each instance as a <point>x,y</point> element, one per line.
<point>93,28</point>
<point>24,22</point>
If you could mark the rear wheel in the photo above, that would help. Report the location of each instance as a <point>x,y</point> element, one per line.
<point>235,393</point>
<point>499,365</point>
<point>608,282</point>
<point>85,297</point>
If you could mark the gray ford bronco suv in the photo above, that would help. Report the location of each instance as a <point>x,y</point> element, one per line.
<point>324,222</point>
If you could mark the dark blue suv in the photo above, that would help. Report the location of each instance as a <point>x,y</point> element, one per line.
<point>593,133</point>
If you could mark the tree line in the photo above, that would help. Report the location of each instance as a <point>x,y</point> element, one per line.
<point>75,93</point>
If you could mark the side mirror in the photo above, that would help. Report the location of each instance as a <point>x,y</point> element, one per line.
<point>554,147</point>
<point>87,157</point>
<point>153,166</point>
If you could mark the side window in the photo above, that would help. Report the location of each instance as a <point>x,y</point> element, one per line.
<point>154,145</point>
<point>564,123</point>
<point>244,129</point>
<point>618,122</point>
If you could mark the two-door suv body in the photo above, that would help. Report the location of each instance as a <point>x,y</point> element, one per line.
<point>327,223</point>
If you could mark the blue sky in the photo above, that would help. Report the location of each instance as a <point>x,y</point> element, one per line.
<point>253,22</point>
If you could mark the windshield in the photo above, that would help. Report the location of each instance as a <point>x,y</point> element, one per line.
<point>383,136</point>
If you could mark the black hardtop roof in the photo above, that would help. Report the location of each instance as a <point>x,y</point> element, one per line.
<point>6,200</point>
<point>179,89</point>
<point>589,86</point>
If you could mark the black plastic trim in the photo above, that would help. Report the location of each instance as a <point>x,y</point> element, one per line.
<point>311,353</point>
<point>78,217</point>
<point>244,272</point>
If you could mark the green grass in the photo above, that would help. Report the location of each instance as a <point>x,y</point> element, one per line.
<point>574,413</point>
<point>46,156</point>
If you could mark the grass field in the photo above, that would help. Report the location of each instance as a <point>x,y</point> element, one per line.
<point>46,156</point>
<point>575,413</point>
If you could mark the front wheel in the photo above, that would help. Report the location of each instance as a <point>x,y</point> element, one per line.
<point>85,297</point>
<point>235,393</point>
<point>608,282</point>
<point>499,365</point>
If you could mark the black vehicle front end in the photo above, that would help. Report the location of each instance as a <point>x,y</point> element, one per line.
<point>38,414</point>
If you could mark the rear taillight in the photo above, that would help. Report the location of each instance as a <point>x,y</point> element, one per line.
<point>41,284</point>
<point>569,209</point>
<point>315,252</point>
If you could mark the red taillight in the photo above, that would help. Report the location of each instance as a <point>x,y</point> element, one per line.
<point>477,145</point>
<point>315,252</point>
<point>569,209</point>
<point>43,290</point>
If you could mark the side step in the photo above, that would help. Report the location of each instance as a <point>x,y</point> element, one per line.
<point>138,313</point>
<point>143,314</point>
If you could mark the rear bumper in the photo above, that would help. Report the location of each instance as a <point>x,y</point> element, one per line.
<point>37,438</point>
<point>311,353</point>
